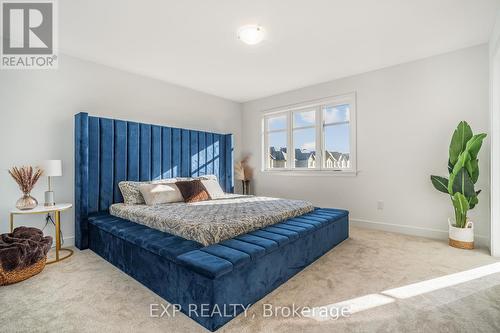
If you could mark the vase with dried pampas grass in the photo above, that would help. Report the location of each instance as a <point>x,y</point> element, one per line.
<point>243,172</point>
<point>26,177</point>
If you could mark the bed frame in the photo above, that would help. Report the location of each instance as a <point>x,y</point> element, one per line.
<point>210,284</point>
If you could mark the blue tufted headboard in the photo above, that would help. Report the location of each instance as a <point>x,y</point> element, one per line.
<point>108,151</point>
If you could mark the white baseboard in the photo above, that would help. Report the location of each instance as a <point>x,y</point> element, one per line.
<point>69,241</point>
<point>481,240</point>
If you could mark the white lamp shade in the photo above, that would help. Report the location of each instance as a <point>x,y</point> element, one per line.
<point>52,168</point>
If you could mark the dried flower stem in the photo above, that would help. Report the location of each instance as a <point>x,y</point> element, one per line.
<point>26,177</point>
<point>242,170</point>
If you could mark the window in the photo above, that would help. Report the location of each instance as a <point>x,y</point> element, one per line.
<point>315,136</point>
<point>276,141</point>
<point>304,138</point>
<point>336,138</point>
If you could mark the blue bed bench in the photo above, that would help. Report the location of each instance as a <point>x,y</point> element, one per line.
<point>238,271</point>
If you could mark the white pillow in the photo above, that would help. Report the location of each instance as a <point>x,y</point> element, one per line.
<point>213,188</point>
<point>131,193</point>
<point>155,194</point>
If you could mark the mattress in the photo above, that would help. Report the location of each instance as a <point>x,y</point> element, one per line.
<point>210,222</point>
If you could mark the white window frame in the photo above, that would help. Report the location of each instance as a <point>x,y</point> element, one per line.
<point>318,105</point>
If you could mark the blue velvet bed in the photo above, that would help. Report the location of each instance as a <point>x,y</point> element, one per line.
<point>238,271</point>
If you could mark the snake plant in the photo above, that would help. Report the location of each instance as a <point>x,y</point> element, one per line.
<point>463,168</point>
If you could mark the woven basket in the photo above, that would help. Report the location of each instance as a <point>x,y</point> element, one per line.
<point>19,275</point>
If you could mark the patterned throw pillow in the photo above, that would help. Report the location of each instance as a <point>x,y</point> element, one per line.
<point>193,191</point>
<point>130,192</point>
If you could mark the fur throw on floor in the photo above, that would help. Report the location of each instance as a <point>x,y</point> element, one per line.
<point>22,248</point>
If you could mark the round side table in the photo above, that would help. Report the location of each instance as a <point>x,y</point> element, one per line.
<point>41,209</point>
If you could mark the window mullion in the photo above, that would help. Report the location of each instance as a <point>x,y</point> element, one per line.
<point>289,148</point>
<point>319,138</point>
<point>352,134</point>
<point>267,155</point>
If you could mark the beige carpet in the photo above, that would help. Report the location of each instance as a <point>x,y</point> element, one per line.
<point>87,294</point>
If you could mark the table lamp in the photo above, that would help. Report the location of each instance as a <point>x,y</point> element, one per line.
<point>51,168</point>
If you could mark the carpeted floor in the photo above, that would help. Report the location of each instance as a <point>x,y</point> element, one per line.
<point>87,294</point>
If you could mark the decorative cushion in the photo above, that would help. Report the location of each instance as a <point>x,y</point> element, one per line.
<point>131,193</point>
<point>193,191</point>
<point>155,194</point>
<point>213,188</point>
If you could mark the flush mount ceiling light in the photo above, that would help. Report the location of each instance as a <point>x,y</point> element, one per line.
<point>251,34</point>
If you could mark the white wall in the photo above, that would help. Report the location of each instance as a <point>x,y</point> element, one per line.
<point>406,116</point>
<point>36,120</point>
<point>494,48</point>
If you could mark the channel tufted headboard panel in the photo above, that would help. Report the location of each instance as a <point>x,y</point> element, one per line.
<point>108,151</point>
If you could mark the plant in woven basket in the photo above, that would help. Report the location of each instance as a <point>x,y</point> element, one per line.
<point>463,168</point>
<point>26,177</point>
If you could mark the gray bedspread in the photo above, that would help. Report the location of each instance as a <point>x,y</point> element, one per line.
<point>210,222</point>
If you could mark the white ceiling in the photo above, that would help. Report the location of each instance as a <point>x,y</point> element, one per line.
<point>193,43</point>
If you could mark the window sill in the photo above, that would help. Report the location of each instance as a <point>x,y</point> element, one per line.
<point>312,173</point>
